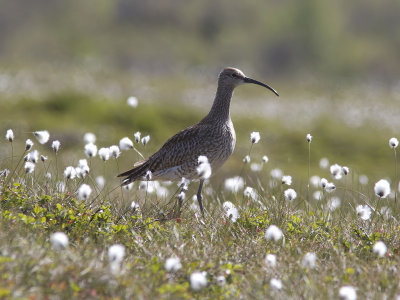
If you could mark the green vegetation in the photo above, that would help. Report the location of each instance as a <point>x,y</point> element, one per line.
<point>34,209</point>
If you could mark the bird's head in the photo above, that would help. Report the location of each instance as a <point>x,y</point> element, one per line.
<point>234,77</point>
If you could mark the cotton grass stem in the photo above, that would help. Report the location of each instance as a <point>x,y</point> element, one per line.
<point>308,174</point>
<point>244,163</point>
<point>15,169</point>
<point>12,155</point>
<point>118,172</point>
<point>395,176</point>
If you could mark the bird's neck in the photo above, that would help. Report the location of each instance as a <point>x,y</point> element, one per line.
<point>221,106</point>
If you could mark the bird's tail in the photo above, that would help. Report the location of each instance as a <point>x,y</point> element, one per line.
<point>134,174</point>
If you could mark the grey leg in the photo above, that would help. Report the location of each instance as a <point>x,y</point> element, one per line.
<point>200,197</point>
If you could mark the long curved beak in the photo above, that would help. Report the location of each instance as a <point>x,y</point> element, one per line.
<point>249,80</point>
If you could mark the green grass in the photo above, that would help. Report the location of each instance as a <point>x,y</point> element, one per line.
<point>31,209</point>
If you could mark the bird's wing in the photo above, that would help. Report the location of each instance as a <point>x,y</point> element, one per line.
<point>180,151</point>
<point>183,148</point>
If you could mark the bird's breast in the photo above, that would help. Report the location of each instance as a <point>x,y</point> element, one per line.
<point>226,144</point>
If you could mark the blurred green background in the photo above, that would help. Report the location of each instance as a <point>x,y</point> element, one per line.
<point>69,66</point>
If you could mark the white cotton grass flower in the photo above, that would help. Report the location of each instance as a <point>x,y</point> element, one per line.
<point>100,181</point>
<point>55,145</point>
<point>220,280</point>
<point>336,171</point>
<point>290,195</point>
<point>149,186</point>
<point>128,187</point>
<point>162,192</point>
<point>345,170</point>
<point>273,233</point>
<point>363,179</point>
<point>80,173</point>
<point>246,159</point>
<point>10,135</point>
<point>315,181</point>
<point>136,135</point>
<point>132,101</point>
<point>334,203</point>
<point>276,173</point>
<point>148,175</point>
<point>270,260</point>
<point>393,143</point>
<point>232,214</point>
<point>181,196</point>
<point>28,144</point>
<point>125,144</point>
<point>317,195</point>
<point>324,163</point>
<point>234,184</point>
<point>380,249</point>
<point>231,211</point>
<point>323,182</point>
<point>104,153</point>
<point>42,136</point>
<point>255,137</point>
<point>309,260</point>
<point>29,167</point>
<point>116,253</point>
<point>276,284</point>
<point>83,165</point>
<point>69,172</point>
<point>330,187</point>
<point>309,138</point>
<point>48,175</point>
<point>363,211</point>
<point>134,206</point>
<point>256,167</point>
<point>198,280</point>
<point>114,151</point>
<point>265,159</point>
<point>32,156</point>
<point>227,205</point>
<point>382,188</point>
<point>89,138</point>
<point>59,240</point>
<point>84,192</point>
<point>145,140</point>
<point>4,173</point>
<point>347,292</point>
<point>184,184</point>
<point>204,167</point>
<point>250,193</point>
<point>287,179</point>
<point>173,264</point>
<point>90,150</point>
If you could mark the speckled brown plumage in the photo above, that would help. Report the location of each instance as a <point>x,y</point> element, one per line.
<point>213,137</point>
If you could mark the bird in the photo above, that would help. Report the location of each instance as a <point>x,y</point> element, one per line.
<point>214,137</point>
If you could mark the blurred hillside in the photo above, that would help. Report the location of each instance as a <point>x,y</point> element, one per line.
<point>69,66</point>
<point>283,39</point>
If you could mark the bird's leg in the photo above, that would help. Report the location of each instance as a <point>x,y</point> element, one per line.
<point>200,197</point>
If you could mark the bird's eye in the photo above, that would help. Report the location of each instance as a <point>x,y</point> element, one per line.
<point>234,75</point>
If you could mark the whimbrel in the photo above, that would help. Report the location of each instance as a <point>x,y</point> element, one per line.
<point>213,137</point>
